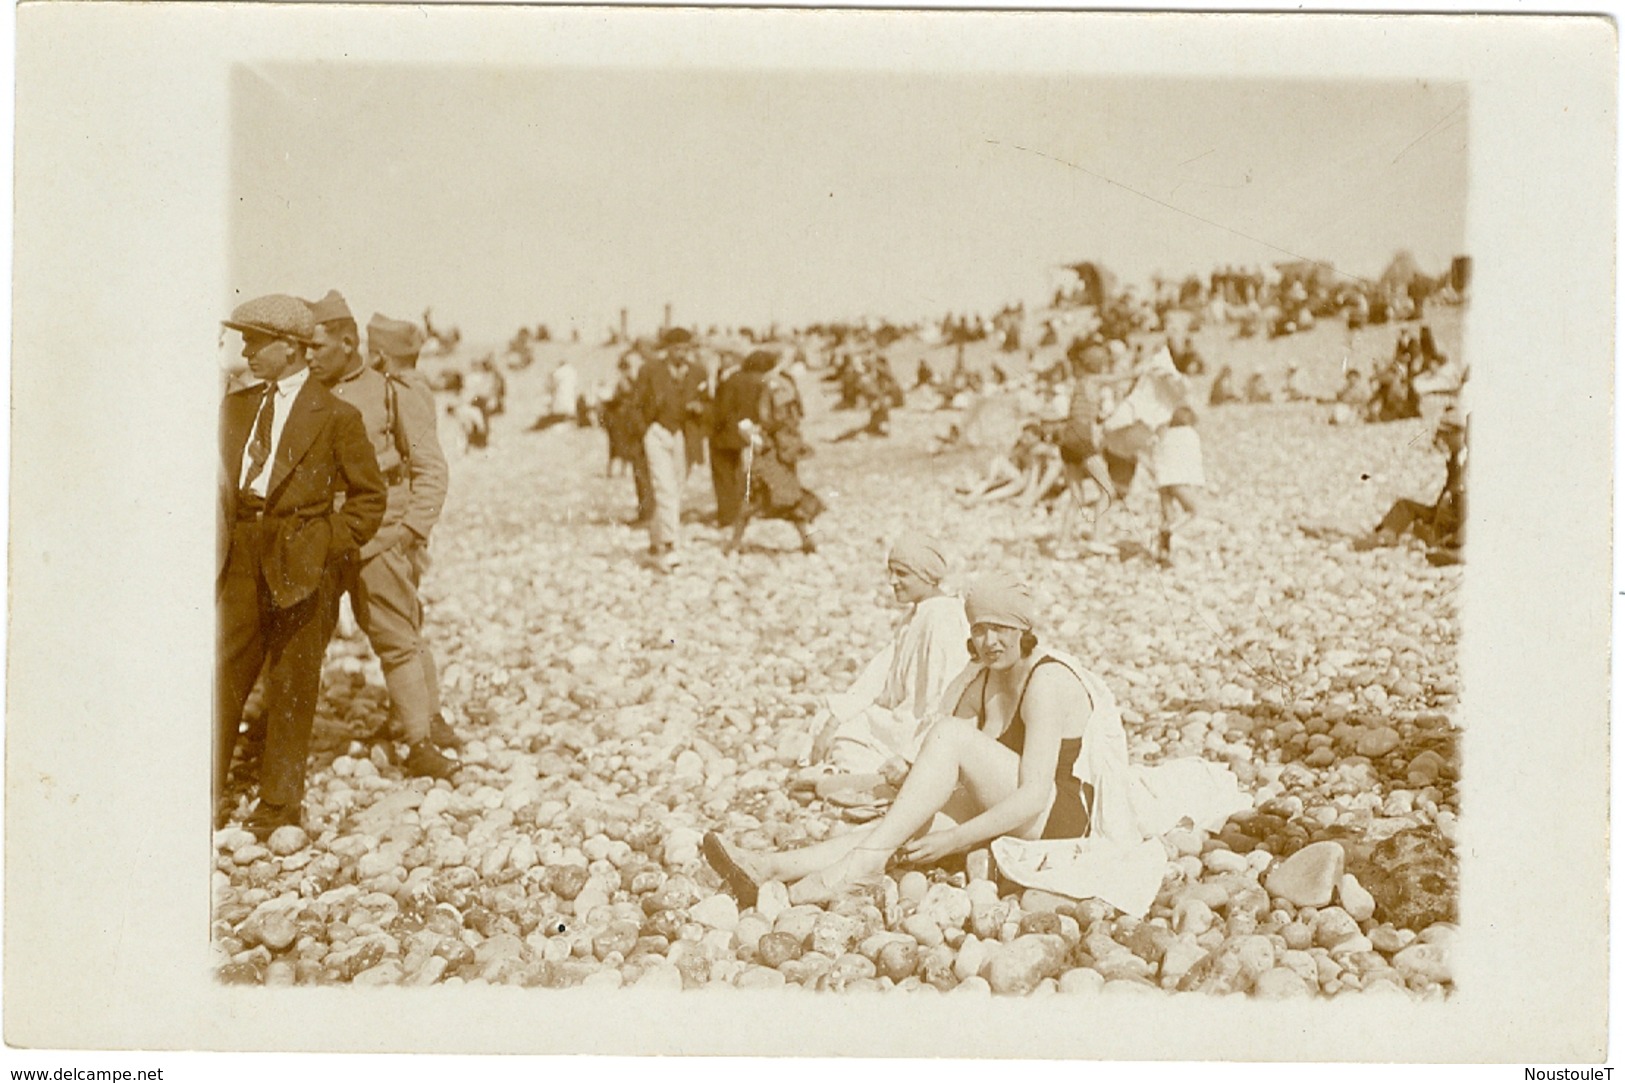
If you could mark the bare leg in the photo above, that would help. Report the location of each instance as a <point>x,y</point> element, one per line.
<point>794,864</point>
<point>955,754</point>
<point>1098,471</point>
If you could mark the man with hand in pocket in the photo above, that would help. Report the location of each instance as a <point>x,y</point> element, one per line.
<point>290,451</point>
<point>383,588</point>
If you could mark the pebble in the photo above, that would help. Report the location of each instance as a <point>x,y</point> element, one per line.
<point>716,912</point>
<point>912,887</point>
<point>1182,953</point>
<point>1280,983</point>
<point>834,934</point>
<point>772,899</point>
<point>973,956</point>
<point>1387,939</point>
<point>1354,899</point>
<point>1297,935</point>
<point>948,906</point>
<point>923,929</point>
<point>1424,963</point>
<point>898,960</point>
<point>1081,980</point>
<point>1232,968</point>
<point>1376,743</point>
<point>776,948</point>
<point>760,977</point>
<point>1425,768</point>
<point>1308,877</point>
<point>1333,926</point>
<point>288,839</point>
<point>272,924</point>
<point>1020,965</point>
<point>1223,861</point>
<point>750,930</point>
<point>1193,916</point>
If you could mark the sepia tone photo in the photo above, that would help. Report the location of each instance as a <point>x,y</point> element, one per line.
<point>860,532</point>
<point>959,538</point>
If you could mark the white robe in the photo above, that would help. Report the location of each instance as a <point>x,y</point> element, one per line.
<point>1121,860</point>
<point>883,714</point>
<point>562,386</point>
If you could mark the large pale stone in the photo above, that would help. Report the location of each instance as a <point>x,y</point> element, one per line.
<point>1308,877</point>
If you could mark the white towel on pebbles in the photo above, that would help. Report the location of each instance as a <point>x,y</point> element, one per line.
<point>1122,861</point>
<point>1127,875</point>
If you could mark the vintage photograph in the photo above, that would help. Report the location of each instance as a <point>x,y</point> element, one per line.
<point>864,532</point>
<point>810,533</point>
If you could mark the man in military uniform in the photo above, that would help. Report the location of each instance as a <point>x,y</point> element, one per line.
<point>393,348</point>
<point>289,449</point>
<point>384,589</point>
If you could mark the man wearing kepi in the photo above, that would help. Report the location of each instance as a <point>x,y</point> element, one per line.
<point>384,587</point>
<point>670,393</point>
<point>879,723</point>
<point>393,347</point>
<point>289,451</point>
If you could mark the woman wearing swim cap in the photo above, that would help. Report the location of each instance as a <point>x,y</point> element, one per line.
<point>876,726</point>
<point>1001,763</point>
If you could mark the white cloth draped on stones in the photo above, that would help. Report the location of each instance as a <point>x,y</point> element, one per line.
<point>884,713</point>
<point>1121,860</point>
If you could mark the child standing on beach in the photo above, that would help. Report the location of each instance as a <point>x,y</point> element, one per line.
<point>1176,459</point>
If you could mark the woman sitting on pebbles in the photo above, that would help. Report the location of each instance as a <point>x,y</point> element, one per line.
<point>875,728</point>
<point>1005,762</point>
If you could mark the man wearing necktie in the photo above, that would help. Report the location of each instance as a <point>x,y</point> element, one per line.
<point>289,448</point>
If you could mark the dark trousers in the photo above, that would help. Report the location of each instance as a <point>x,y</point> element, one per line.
<point>288,643</point>
<point>728,480</point>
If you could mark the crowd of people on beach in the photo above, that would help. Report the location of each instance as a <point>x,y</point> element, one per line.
<point>970,727</point>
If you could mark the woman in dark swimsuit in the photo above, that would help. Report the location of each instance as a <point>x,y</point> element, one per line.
<point>1001,764</point>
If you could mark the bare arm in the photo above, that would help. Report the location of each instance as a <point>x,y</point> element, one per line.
<point>1051,694</point>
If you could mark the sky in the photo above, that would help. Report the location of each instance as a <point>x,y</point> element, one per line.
<point>505,197</point>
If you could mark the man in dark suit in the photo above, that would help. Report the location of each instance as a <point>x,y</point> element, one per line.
<point>672,396</point>
<point>739,396</point>
<point>289,451</point>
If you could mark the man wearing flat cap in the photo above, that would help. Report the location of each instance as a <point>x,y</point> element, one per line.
<point>671,396</point>
<point>289,451</point>
<point>383,587</point>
